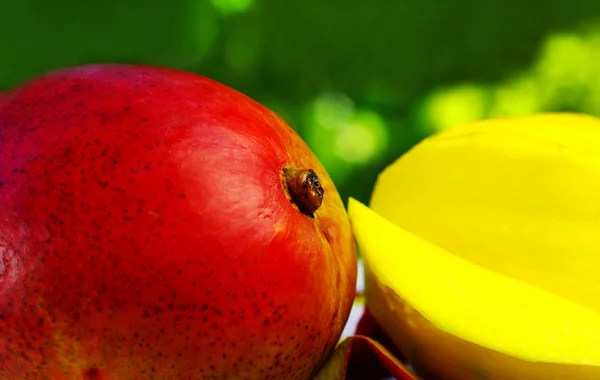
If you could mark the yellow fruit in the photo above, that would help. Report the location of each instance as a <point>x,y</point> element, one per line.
<point>456,320</point>
<point>520,196</point>
<point>502,217</point>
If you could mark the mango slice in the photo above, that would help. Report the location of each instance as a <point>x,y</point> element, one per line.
<point>520,196</point>
<point>454,319</point>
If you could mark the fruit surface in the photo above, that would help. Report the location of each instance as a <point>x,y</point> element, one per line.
<point>454,319</point>
<point>155,224</point>
<point>518,195</point>
<point>514,198</point>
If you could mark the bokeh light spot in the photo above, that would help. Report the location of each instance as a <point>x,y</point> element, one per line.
<point>562,53</point>
<point>364,138</point>
<point>355,143</point>
<point>455,105</point>
<point>344,136</point>
<point>229,7</point>
<point>333,111</point>
<point>520,96</point>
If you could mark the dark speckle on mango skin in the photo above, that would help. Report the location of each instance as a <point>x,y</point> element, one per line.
<point>133,236</point>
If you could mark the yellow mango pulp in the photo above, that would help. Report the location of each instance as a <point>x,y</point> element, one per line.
<point>520,196</point>
<point>471,302</point>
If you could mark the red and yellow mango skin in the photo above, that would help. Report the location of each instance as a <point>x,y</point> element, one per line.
<point>145,233</point>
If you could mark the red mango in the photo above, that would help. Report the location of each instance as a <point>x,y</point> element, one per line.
<point>155,224</point>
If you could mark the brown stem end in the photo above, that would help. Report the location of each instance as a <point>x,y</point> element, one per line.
<point>304,189</point>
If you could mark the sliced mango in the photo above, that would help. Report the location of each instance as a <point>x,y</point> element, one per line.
<point>520,196</point>
<point>455,319</point>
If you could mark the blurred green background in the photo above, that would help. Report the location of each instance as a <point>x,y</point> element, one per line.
<point>361,81</point>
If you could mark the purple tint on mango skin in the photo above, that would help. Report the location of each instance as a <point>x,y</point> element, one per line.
<point>145,233</point>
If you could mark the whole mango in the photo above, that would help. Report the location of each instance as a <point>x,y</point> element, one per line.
<point>155,224</point>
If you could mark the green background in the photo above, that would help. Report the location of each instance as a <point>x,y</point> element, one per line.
<point>361,81</point>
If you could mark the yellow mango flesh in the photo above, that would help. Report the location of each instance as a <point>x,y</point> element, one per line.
<point>456,297</point>
<point>436,354</point>
<point>519,196</point>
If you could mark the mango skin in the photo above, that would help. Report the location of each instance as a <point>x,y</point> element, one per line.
<point>438,355</point>
<point>145,233</point>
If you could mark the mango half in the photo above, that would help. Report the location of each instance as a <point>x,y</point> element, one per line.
<point>457,320</point>
<point>518,197</point>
